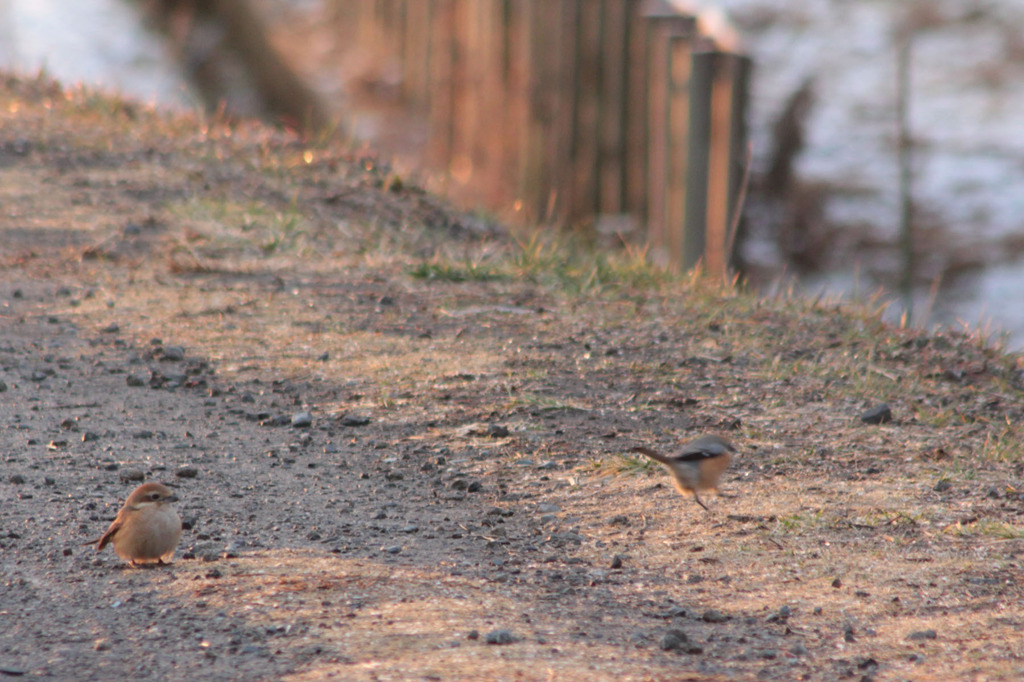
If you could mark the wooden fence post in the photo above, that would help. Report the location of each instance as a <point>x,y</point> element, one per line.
<point>663,25</point>
<point>575,109</point>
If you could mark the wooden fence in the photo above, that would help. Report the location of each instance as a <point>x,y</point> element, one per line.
<point>575,111</point>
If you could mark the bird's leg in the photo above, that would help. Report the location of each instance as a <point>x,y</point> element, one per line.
<point>697,498</point>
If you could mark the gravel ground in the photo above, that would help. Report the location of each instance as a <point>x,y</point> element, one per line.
<point>399,438</point>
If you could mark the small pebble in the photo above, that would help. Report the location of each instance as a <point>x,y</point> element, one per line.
<point>129,475</point>
<point>880,414</point>
<point>186,471</point>
<point>208,551</point>
<point>676,640</point>
<point>501,636</point>
<point>16,479</point>
<point>497,431</point>
<point>354,420</point>
<point>173,353</point>
<point>921,635</point>
<point>302,420</point>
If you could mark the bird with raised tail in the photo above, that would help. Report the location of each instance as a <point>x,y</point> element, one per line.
<point>146,529</point>
<point>698,465</point>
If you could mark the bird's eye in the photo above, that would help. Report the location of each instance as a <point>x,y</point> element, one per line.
<point>154,496</point>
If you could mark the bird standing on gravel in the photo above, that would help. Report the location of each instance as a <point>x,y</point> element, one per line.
<point>147,528</point>
<point>699,464</point>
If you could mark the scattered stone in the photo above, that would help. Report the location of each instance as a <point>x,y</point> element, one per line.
<point>130,475</point>
<point>135,380</point>
<point>111,328</point>
<point>69,425</point>
<point>715,616</point>
<point>302,420</point>
<point>208,551</point>
<point>393,549</point>
<point>279,420</point>
<point>3,387</point>
<point>880,414</point>
<point>617,561</point>
<point>497,431</point>
<point>90,436</point>
<point>618,520</point>
<point>173,353</point>
<point>459,484</point>
<point>354,420</point>
<point>545,508</point>
<point>142,434</point>
<point>16,479</point>
<point>780,616</point>
<point>474,487</point>
<point>56,444</point>
<point>848,634</point>
<point>186,471</point>
<point>500,636</point>
<point>837,583</point>
<point>473,634</point>
<point>943,485</point>
<point>324,357</point>
<point>101,645</point>
<point>676,640</point>
<point>922,635</point>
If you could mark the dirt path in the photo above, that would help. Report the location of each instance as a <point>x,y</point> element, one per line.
<point>172,296</point>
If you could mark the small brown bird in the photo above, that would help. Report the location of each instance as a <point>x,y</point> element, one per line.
<point>147,528</point>
<point>698,466</point>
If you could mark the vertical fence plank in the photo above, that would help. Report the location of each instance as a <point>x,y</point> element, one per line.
<point>442,78</point>
<point>698,155</point>
<point>680,144</point>
<point>720,157</point>
<point>587,85</point>
<point>612,149</point>
<point>737,145</point>
<point>636,110</point>
<point>518,76</point>
<point>416,57</point>
<point>662,29</point>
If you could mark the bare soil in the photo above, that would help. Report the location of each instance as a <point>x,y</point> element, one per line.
<point>472,398</point>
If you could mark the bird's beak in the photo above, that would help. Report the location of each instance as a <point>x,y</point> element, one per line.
<point>172,498</point>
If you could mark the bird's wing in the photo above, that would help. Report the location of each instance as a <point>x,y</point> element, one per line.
<point>111,532</point>
<point>703,448</point>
